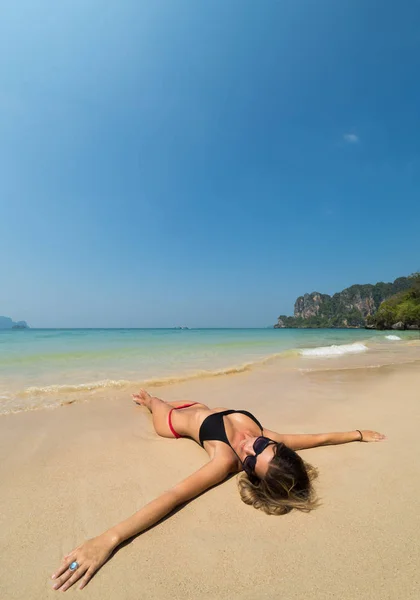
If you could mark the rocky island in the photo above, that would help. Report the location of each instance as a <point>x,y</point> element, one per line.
<point>379,306</point>
<point>7,323</point>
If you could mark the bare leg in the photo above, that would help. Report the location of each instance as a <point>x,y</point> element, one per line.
<point>143,399</point>
<point>159,410</point>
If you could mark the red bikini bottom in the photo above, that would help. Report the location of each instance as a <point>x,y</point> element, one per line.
<point>186,405</point>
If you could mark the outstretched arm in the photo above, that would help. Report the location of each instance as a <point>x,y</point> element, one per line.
<point>302,441</point>
<point>91,555</point>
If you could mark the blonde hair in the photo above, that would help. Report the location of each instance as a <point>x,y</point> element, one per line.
<point>286,485</point>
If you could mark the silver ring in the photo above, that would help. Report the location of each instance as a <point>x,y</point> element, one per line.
<point>74,565</point>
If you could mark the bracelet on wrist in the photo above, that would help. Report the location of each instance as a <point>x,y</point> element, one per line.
<point>361,435</point>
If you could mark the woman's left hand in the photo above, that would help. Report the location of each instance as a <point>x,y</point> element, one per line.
<point>89,557</point>
<point>372,436</point>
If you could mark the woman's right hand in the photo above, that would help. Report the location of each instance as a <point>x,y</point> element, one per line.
<point>90,557</point>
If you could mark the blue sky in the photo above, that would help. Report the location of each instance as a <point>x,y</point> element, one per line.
<point>203,163</point>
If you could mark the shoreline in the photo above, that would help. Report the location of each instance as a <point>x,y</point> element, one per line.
<point>365,353</point>
<point>69,474</point>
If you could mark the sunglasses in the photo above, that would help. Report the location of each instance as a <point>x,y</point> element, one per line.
<point>260,444</point>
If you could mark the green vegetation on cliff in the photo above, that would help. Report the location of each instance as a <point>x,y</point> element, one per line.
<point>401,310</point>
<point>353,307</point>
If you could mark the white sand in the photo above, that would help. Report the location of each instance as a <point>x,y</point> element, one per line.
<point>70,473</point>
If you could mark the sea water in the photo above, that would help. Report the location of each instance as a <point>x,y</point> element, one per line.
<point>44,367</point>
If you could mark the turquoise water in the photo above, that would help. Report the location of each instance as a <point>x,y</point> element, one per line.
<point>38,365</point>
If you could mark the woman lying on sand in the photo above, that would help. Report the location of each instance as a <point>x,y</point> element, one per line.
<point>276,479</point>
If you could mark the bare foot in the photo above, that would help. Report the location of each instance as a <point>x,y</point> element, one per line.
<point>142,398</point>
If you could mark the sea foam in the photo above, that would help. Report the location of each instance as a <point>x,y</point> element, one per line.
<point>323,351</point>
<point>392,337</point>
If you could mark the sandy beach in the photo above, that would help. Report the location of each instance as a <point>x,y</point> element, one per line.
<point>69,473</point>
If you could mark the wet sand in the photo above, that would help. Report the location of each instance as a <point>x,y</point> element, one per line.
<point>69,473</point>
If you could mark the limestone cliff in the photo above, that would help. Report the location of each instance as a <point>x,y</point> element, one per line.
<point>349,308</point>
<point>309,305</point>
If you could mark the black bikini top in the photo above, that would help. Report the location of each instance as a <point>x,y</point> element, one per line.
<point>213,426</point>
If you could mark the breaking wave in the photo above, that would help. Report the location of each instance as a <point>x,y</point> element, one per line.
<point>324,351</point>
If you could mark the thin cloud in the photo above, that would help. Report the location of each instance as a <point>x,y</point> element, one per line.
<point>351,138</point>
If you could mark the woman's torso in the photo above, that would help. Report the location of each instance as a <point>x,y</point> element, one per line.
<point>236,426</point>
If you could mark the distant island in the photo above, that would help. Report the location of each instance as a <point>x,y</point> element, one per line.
<point>7,323</point>
<point>381,306</point>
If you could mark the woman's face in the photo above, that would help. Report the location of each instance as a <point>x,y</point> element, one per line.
<point>263,459</point>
